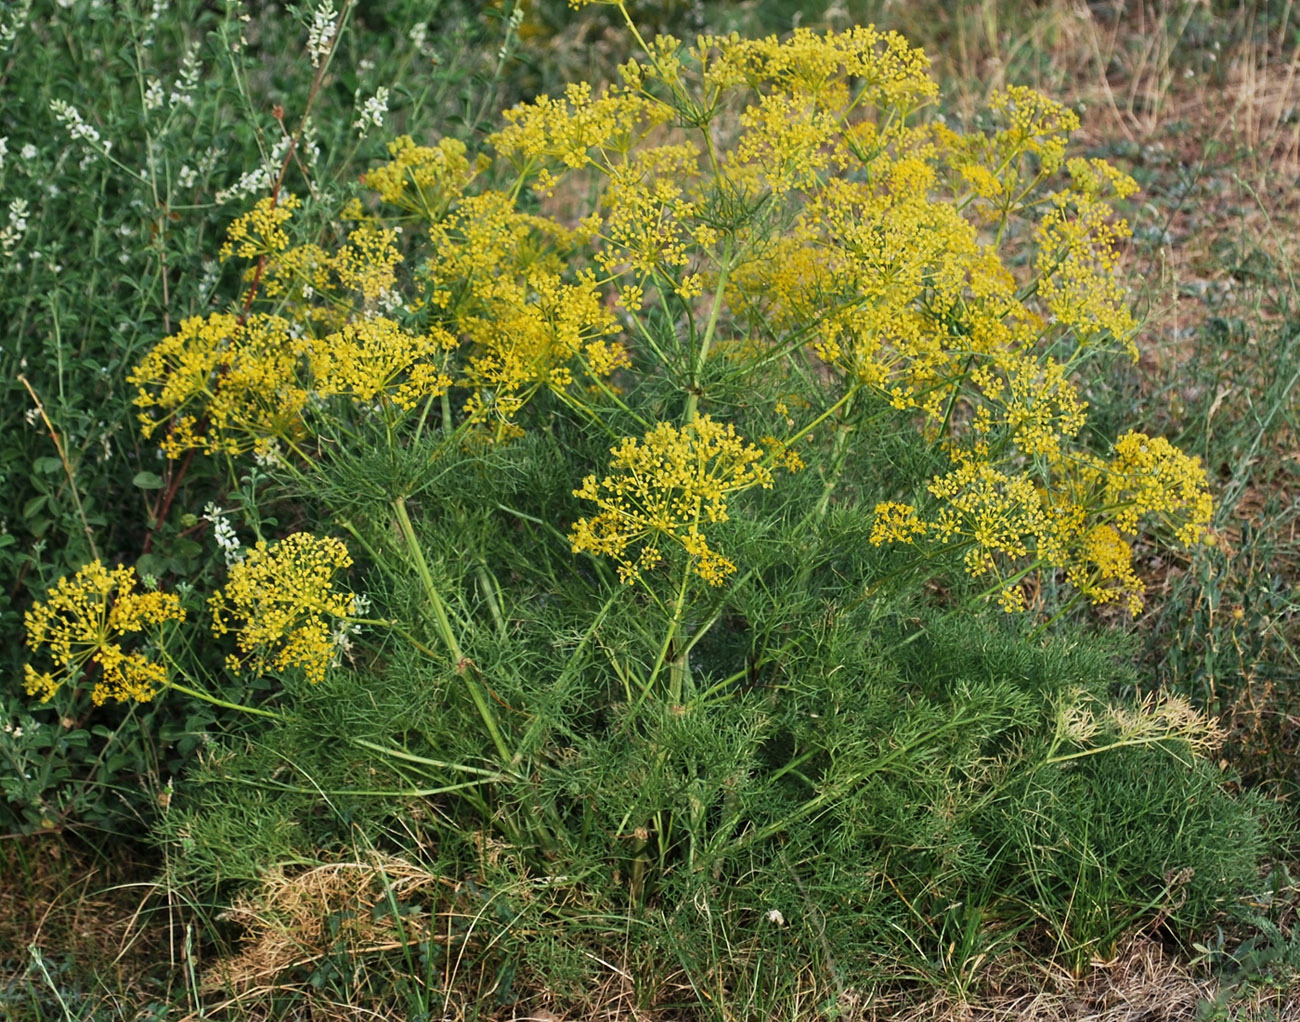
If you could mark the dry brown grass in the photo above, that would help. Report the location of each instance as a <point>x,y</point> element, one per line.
<point>294,920</point>
<point>89,914</point>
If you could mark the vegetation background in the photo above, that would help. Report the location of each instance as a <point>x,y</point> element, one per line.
<point>113,208</point>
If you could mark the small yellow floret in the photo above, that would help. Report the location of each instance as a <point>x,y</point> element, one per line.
<point>261,231</point>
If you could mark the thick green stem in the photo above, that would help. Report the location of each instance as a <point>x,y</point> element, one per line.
<point>846,399</point>
<point>676,670</point>
<point>1122,744</point>
<point>1037,632</point>
<point>410,757</point>
<point>463,665</point>
<point>426,578</point>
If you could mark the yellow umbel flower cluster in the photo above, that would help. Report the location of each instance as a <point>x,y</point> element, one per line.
<point>226,383</point>
<point>778,204</point>
<point>375,358</point>
<point>423,180</point>
<point>1035,124</point>
<point>260,231</point>
<point>1077,259</point>
<point>331,288</point>
<point>578,130</point>
<point>664,487</point>
<point>839,70</point>
<point>81,624</point>
<point>1076,523</point>
<point>222,385</point>
<point>1150,476</point>
<point>281,604</point>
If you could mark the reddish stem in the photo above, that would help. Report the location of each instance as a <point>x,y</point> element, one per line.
<point>175,479</point>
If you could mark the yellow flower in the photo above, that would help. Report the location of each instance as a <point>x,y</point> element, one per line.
<point>535,335</point>
<point>1012,599</point>
<point>376,359</point>
<point>896,523</point>
<point>880,67</point>
<point>665,486</point>
<point>649,213</point>
<point>1076,263</point>
<point>422,179</point>
<point>579,129</point>
<point>1035,124</point>
<point>80,624</point>
<point>367,264</point>
<point>281,604</point>
<point>1103,569</point>
<point>222,385</point>
<point>1150,476</point>
<point>260,231</point>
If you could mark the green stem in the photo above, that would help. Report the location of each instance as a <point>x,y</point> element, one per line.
<point>952,398</point>
<point>362,792</point>
<point>839,450</point>
<point>561,683</point>
<point>489,589</point>
<point>701,356</point>
<point>847,398</point>
<point>426,579</point>
<point>604,388</point>
<point>674,626</point>
<point>1037,632</point>
<point>1124,743</point>
<point>463,666</point>
<point>1002,584</point>
<point>410,757</point>
<point>186,690</point>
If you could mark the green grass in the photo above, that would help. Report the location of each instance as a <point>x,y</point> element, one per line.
<point>933,891</point>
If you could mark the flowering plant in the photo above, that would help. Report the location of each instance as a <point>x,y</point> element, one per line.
<point>671,326</point>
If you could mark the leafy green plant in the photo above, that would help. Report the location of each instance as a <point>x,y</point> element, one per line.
<point>132,136</point>
<point>614,504</point>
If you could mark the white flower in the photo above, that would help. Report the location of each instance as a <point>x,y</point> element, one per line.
<point>371,112</point>
<point>29,152</point>
<point>258,180</point>
<point>153,95</point>
<point>270,457</point>
<point>70,118</point>
<point>15,15</point>
<point>224,533</point>
<point>321,37</point>
<point>12,233</point>
<point>183,91</point>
